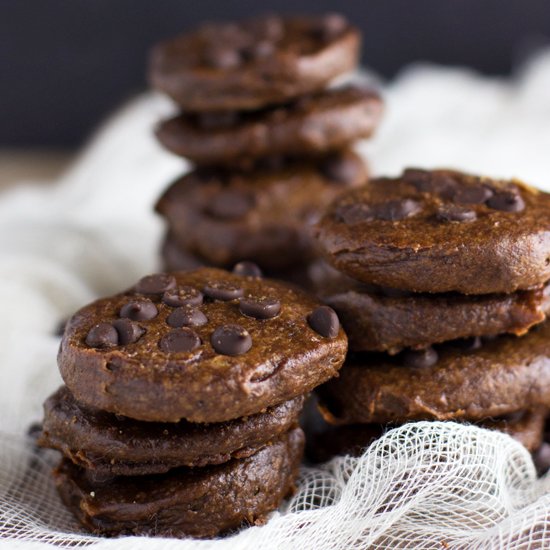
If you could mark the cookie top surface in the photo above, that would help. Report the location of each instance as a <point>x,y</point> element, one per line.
<point>319,122</point>
<point>440,231</point>
<point>263,215</point>
<point>197,502</point>
<point>386,319</point>
<point>112,445</point>
<point>254,63</point>
<point>450,381</point>
<point>204,345</point>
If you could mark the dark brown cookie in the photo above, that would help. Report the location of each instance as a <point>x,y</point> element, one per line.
<point>196,502</point>
<point>441,231</point>
<point>109,444</point>
<point>264,216</point>
<point>385,319</point>
<point>527,427</point>
<point>448,383</point>
<point>328,120</point>
<point>204,345</point>
<point>259,62</point>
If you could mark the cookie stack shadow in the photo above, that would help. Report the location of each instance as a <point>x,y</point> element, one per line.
<point>180,412</point>
<point>269,139</point>
<point>440,281</point>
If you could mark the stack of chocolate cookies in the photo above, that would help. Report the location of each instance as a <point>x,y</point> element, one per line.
<point>440,281</point>
<point>269,139</point>
<point>180,412</point>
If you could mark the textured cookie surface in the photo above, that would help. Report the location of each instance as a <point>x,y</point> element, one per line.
<point>440,231</point>
<point>265,215</point>
<point>205,346</point>
<point>311,125</point>
<point>499,377</point>
<point>201,502</point>
<point>384,319</point>
<point>255,63</point>
<point>113,445</point>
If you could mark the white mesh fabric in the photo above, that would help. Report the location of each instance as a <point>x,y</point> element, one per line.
<point>428,485</point>
<point>424,485</point>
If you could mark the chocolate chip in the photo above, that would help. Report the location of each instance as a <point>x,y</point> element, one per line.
<point>155,284</point>
<point>339,169</point>
<point>506,201</point>
<point>260,308</point>
<point>139,310</point>
<point>354,213</point>
<point>229,205</point>
<point>396,210</point>
<point>180,340</point>
<point>452,213</point>
<point>476,194</point>
<point>421,358</point>
<point>218,119</point>
<point>102,335</point>
<point>247,269</point>
<point>128,331</point>
<point>231,340</point>
<point>428,182</point>
<point>186,316</point>
<point>220,57</point>
<point>183,296</point>
<point>330,26</point>
<point>324,321</point>
<point>222,291</point>
<point>417,177</point>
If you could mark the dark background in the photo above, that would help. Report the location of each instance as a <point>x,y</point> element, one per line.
<point>64,64</point>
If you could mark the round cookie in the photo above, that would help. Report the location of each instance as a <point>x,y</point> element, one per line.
<point>204,345</point>
<point>258,62</point>
<point>527,427</point>
<point>108,444</point>
<point>327,120</point>
<point>440,231</point>
<point>193,502</point>
<point>504,374</point>
<point>385,319</point>
<point>265,215</point>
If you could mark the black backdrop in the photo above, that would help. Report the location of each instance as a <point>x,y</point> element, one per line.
<point>66,63</point>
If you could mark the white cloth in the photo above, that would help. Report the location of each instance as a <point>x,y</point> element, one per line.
<point>428,485</point>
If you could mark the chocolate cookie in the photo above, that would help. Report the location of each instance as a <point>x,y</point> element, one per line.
<point>204,345</point>
<point>327,120</point>
<point>450,382</point>
<point>385,319</point>
<point>527,427</point>
<point>116,445</point>
<point>258,62</point>
<point>197,502</point>
<point>441,231</point>
<point>264,215</point>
